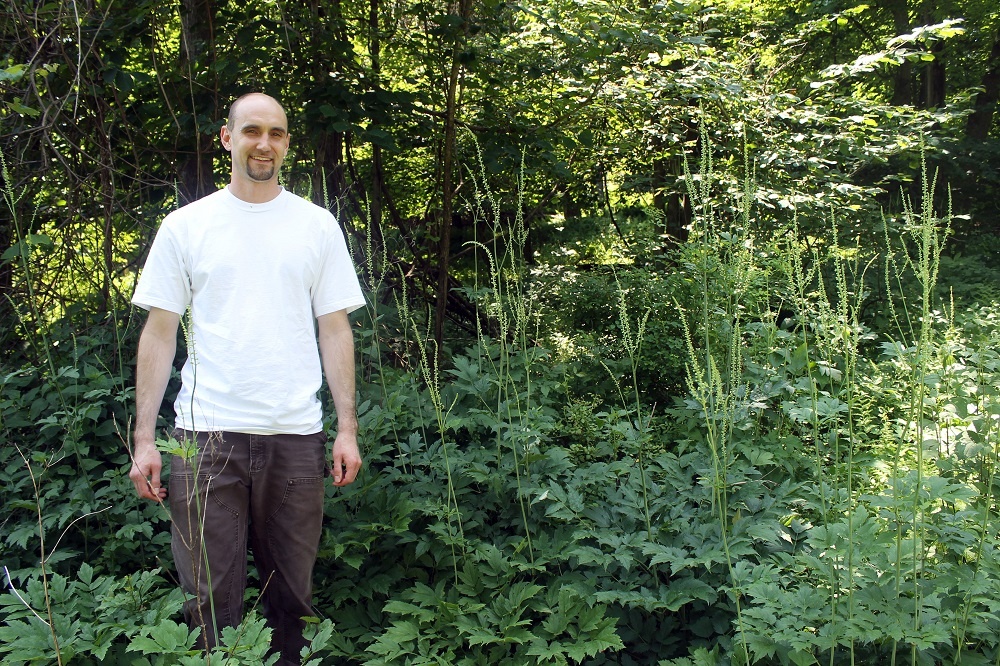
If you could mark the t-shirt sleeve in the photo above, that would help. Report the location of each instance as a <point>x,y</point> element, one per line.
<point>337,286</point>
<point>164,281</point>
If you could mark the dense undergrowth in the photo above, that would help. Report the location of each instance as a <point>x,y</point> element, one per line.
<point>748,449</point>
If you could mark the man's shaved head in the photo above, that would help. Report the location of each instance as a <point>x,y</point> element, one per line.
<point>234,107</point>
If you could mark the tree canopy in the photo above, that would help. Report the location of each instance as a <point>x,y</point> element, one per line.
<point>664,359</point>
<point>111,113</point>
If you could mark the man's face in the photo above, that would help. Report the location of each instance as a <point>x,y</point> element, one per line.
<point>257,137</point>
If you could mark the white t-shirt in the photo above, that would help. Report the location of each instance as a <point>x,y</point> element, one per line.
<point>255,277</point>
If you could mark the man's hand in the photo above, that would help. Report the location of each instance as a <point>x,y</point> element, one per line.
<point>346,459</point>
<point>157,346</point>
<point>145,473</point>
<point>336,348</point>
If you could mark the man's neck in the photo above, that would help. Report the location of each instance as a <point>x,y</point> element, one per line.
<point>255,193</point>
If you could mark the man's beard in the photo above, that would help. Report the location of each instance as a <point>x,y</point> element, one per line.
<point>260,173</point>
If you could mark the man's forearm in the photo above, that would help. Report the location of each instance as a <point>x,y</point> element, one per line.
<point>157,347</point>
<point>336,347</point>
<point>336,343</point>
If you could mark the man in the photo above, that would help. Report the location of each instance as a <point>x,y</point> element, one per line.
<point>266,276</point>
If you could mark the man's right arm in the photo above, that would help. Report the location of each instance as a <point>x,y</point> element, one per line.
<point>157,347</point>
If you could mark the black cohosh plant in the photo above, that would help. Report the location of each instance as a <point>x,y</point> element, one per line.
<point>821,492</point>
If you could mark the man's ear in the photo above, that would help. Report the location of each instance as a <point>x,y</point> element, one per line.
<point>227,142</point>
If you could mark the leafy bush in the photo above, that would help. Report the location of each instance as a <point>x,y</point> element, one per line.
<point>89,619</point>
<point>815,486</point>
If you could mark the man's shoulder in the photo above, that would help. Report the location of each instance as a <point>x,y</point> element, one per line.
<point>305,205</point>
<point>194,209</point>
<point>208,200</point>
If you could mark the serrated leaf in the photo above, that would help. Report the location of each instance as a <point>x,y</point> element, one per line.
<point>405,608</point>
<point>542,648</point>
<point>476,634</point>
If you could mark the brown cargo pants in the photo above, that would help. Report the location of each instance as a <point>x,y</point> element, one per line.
<point>265,491</point>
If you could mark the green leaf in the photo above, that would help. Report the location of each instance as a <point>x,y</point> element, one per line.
<point>16,106</point>
<point>392,641</point>
<point>13,73</point>
<point>475,633</point>
<point>421,613</point>
<point>14,250</point>
<point>166,637</point>
<point>545,650</point>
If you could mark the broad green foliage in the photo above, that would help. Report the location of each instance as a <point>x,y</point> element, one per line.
<point>114,118</point>
<point>720,384</point>
<point>817,485</point>
<point>91,619</point>
<point>87,619</point>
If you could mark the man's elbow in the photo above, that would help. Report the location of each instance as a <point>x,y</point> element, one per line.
<point>160,328</point>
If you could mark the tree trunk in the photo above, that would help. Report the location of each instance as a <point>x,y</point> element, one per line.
<point>902,85</point>
<point>979,124</point>
<point>448,166</point>
<point>933,75</point>
<point>329,177</point>
<point>374,51</point>
<point>108,195</point>
<point>196,149</point>
<point>933,79</point>
<point>671,200</point>
<point>8,332</point>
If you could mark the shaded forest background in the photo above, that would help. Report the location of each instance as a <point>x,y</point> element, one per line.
<point>111,114</point>
<point>681,344</point>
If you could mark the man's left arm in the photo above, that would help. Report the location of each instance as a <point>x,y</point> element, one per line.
<point>336,347</point>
